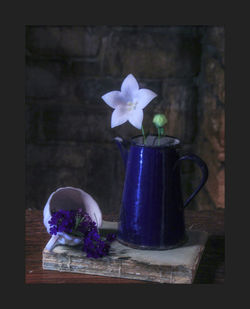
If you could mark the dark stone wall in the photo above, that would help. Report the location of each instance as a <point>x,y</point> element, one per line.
<point>68,133</point>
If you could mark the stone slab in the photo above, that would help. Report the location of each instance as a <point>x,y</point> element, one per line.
<point>177,265</point>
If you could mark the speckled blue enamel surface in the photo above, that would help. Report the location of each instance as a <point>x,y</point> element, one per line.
<point>152,210</point>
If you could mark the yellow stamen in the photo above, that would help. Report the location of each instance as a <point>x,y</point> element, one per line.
<point>132,105</point>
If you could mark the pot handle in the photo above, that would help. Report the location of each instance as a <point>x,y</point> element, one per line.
<point>204,171</point>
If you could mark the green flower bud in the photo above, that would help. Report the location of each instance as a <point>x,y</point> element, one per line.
<point>160,120</point>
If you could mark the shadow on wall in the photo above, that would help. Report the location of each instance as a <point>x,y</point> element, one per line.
<point>69,141</point>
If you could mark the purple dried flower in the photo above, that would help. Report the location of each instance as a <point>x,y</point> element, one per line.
<point>79,223</point>
<point>86,225</point>
<point>62,221</point>
<point>94,246</point>
<point>111,237</point>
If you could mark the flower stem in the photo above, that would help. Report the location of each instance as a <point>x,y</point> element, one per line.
<point>159,135</point>
<point>144,138</point>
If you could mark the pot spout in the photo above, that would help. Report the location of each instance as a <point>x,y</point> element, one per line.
<point>123,149</point>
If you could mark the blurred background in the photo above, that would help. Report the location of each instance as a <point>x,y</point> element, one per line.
<point>69,141</point>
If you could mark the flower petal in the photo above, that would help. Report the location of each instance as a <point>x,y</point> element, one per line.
<point>136,117</point>
<point>113,98</point>
<point>119,116</point>
<point>129,87</point>
<point>144,96</point>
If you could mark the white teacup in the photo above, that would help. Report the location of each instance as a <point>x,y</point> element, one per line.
<point>69,198</point>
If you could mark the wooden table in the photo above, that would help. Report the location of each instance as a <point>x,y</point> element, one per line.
<point>211,268</point>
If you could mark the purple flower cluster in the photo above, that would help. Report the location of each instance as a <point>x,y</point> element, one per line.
<point>94,246</point>
<point>78,223</point>
<point>62,221</point>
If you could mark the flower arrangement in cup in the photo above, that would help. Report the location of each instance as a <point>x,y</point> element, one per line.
<point>78,223</point>
<point>128,105</point>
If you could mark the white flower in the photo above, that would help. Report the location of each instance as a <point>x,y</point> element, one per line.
<point>128,103</point>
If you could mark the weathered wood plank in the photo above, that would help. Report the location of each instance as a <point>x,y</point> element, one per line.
<point>177,265</point>
<point>211,269</point>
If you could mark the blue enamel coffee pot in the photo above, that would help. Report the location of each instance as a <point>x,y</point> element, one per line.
<point>152,209</point>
